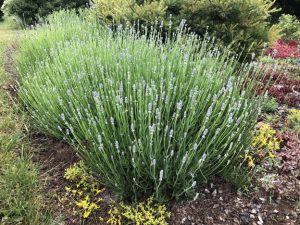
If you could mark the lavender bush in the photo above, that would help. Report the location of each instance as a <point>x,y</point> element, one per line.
<point>147,115</point>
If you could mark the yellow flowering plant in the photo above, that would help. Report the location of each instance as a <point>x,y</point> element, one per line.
<point>83,191</point>
<point>264,144</point>
<point>145,213</point>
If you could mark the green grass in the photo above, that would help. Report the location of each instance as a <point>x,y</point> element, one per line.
<point>21,201</point>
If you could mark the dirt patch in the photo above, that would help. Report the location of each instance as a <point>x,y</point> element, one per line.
<point>54,156</point>
<point>219,203</point>
<point>8,57</point>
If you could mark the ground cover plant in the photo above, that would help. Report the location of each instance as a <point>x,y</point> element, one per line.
<point>284,86</point>
<point>145,116</point>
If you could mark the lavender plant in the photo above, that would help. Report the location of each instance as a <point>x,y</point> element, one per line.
<point>146,115</point>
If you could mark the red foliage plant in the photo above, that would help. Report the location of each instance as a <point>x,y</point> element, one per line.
<point>284,49</point>
<point>283,88</point>
<point>290,153</point>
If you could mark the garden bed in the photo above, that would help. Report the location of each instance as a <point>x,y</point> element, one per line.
<point>273,197</point>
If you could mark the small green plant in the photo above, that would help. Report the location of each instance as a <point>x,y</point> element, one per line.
<point>272,119</point>
<point>293,120</point>
<point>290,27</point>
<point>145,213</point>
<point>269,105</point>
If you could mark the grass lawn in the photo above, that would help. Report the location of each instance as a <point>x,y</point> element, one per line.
<point>21,201</point>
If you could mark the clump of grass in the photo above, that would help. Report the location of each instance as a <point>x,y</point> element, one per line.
<point>145,114</point>
<point>21,200</point>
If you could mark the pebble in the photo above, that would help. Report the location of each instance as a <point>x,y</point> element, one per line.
<point>210,218</point>
<point>295,214</point>
<point>244,218</point>
<point>214,193</point>
<point>215,206</point>
<point>253,211</point>
<point>275,211</point>
<point>206,191</point>
<point>260,219</point>
<point>262,199</point>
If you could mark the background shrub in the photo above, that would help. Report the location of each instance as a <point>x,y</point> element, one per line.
<point>145,116</point>
<point>1,12</point>
<point>29,11</point>
<point>243,24</point>
<point>289,26</point>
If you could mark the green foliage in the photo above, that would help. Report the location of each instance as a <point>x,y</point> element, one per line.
<point>290,27</point>
<point>30,11</point>
<point>293,120</point>
<point>243,24</point>
<point>269,105</point>
<point>147,116</point>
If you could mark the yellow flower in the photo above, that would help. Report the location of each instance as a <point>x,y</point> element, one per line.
<point>271,155</point>
<point>86,214</point>
<point>68,189</point>
<point>250,160</point>
<point>83,203</point>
